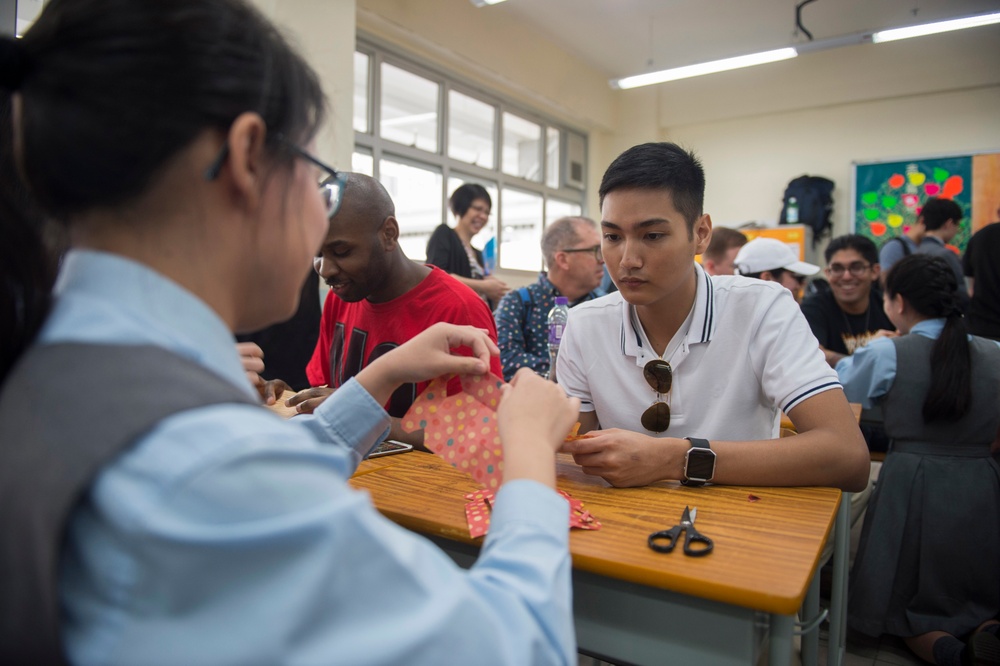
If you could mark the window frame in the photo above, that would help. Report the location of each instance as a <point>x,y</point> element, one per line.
<point>379,148</point>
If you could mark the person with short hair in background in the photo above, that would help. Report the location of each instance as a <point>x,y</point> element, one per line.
<point>451,250</point>
<point>682,375</point>
<point>942,219</point>
<point>771,260</point>
<point>981,265</point>
<point>718,257</point>
<point>378,300</point>
<point>849,314</point>
<point>571,247</point>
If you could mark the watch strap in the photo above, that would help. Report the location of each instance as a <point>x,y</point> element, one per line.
<point>696,443</point>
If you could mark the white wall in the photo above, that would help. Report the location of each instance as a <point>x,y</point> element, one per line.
<point>749,161</point>
<point>323,31</point>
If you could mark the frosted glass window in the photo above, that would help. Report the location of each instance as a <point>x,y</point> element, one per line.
<point>490,230</point>
<point>522,147</point>
<point>360,92</point>
<point>552,157</point>
<point>416,191</point>
<point>363,163</point>
<point>521,235</point>
<point>470,129</point>
<point>555,209</point>
<point>409,109</point>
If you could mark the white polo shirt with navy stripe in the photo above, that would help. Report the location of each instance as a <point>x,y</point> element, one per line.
<point>745,354</point>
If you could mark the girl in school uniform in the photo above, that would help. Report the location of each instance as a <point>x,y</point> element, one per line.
<point>927,565</point>
<point>151,510</point>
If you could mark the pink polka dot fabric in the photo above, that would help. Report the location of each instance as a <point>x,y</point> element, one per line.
<point>462,428</point>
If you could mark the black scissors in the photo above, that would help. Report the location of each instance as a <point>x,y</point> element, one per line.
<point>665,540</point>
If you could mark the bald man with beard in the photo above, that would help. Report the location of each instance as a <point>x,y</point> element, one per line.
<point>378,300</point>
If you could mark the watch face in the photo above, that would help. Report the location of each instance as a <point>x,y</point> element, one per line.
<point>700,465</point>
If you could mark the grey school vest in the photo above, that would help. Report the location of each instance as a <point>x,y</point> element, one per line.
<point>66,411</point>
<point>972,434</point>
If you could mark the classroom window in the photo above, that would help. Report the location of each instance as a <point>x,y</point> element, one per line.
<point>552,157</point>
<point>409,109</point>
<point>522,140</point>
<point>360,91</point>
<point>416,191</point>
<point>422,133</point>
<point>555,209</point>
<point>363,162</point>
<point>521,237</point>
<point>471,126</point>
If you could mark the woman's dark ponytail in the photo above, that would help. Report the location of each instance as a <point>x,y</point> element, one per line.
<point>26,269</point>
<point>930,287</point>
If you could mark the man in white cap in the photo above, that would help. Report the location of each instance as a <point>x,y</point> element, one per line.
<point>771,260</point>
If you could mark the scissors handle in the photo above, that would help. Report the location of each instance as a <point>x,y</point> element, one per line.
<point>696,537</point>
<point>665,540</point>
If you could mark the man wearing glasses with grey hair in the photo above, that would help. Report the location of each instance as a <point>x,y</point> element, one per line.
<point>571,247</point>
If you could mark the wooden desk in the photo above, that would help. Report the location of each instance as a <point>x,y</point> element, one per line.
<point>630,603</point>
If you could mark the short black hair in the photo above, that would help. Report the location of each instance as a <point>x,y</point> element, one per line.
<point>463,196</point>
<point>660,166</point>
<point>936,211</point>
<point>863,246</point>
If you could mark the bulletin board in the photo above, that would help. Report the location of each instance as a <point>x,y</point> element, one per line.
<point>888,196</point>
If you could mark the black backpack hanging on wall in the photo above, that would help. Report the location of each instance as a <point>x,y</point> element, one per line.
<point>815,201</point>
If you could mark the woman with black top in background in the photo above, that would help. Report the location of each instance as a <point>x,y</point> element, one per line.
<point>451,249</point>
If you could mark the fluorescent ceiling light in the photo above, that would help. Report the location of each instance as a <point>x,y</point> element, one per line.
<point>704,68</point>
<point>483,3</point>
<point>805,47</point>
<point>933,28</point>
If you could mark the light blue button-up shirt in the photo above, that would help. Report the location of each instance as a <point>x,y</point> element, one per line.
<point>230,536</point>
<point>869,372</point>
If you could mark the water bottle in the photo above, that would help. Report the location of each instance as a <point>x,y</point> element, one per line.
<point>490,256</point>
<point>792,211</point>
<point>558,316</point>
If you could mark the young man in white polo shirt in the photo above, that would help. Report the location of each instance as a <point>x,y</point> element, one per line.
<point>682,375</point>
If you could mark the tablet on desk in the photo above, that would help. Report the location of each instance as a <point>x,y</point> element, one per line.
<point>389,447</point>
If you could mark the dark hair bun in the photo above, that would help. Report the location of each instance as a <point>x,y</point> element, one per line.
<point>14,63</point>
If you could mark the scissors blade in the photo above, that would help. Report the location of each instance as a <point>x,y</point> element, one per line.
<point>689,515</point>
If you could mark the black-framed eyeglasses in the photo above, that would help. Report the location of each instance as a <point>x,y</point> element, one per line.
<point>855,268</point>
<point>331,187</point>
<point>660,377</point>
<point>595,250</point>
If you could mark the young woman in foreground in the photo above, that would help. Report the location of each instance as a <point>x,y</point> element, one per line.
<point>152,511</point>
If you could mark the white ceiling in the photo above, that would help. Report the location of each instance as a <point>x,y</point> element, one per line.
<point>624,37</point>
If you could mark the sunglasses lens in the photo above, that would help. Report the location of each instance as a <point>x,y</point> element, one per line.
<point>657,417</point>
<point>658,375</point>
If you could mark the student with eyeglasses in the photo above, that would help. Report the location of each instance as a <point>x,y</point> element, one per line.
<point>151,510</point>
<point>571,247</point>
<point>682,375</point>
<point>849,314</point>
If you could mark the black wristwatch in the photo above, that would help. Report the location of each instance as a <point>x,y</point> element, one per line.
<point>699,463</point>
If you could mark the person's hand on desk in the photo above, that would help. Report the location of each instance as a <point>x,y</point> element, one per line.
<point>628,459</point>
<point>533,418</point>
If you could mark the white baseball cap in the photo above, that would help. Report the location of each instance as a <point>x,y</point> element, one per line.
<point>767,254</point>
